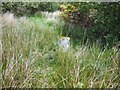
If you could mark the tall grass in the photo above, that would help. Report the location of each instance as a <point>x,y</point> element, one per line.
<point>1,50</point>
<point>31,58</point>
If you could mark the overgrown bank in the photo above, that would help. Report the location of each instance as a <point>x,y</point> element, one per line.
<point>95,22</point>
<point>31,59</point>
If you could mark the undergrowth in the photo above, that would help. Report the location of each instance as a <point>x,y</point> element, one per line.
<point>31,58</point>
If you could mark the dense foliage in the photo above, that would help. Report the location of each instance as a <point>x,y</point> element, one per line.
<point>94,21</point>
<point>28,8</point>
<point>31,59</point>
<point>101,20</point>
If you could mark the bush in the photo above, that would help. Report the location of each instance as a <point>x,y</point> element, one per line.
<point>28,8</point>
<point>101,20</point>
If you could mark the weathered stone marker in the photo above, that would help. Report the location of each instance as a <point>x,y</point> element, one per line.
<point>64,43</point>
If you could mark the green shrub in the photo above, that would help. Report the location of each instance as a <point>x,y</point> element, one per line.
<point>28,8</point>
<point>101,21</point>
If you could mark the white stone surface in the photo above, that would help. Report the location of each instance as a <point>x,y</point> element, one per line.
<point>64,43</point>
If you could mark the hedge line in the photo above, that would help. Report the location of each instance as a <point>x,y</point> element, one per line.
<point>28,8</point>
